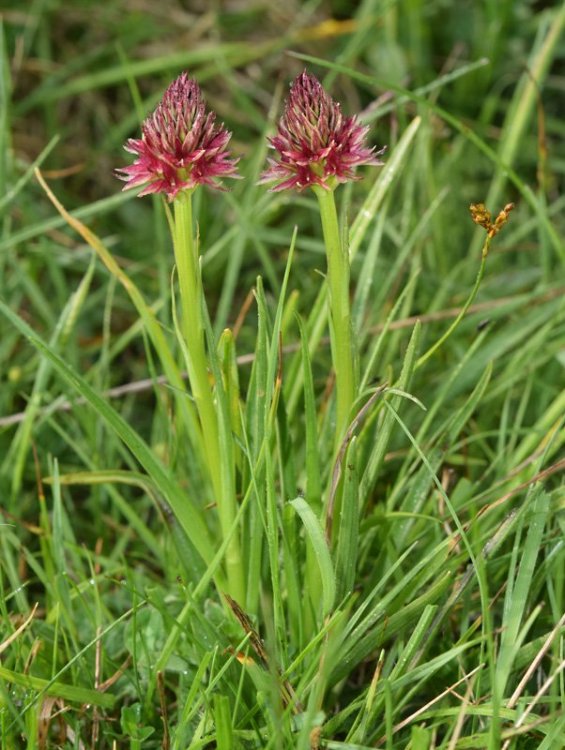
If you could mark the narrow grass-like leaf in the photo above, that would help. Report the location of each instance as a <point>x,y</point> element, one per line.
<point>274,353</point>
<point>462,416</point>
<point>302,600</point>
<point>273,548</point>
<point>440,397</point>
<point>44,227</point>
<point>517,592</point>
<point>69,692</point>
<point>191,704</point>
<point>552,737</point>
<point>348,534</point>
<point>379,190</point>
<point>313,471</point>
<point>59,546</point>
<point>404,662</point>
<point>377,347</point>
<point>385,428</point>
<point>223,722</point>
<point>316,537</point>
<point>112,75</point>
<point>230,376</point>
<point>367,276</point>
<point>229,509</point>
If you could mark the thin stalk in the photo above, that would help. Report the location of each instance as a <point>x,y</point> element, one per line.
<point>340,314</point>
<point>424,358</point>
<point>186,259</point>
<point>192,327</point>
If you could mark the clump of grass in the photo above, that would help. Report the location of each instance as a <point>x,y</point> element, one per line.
<point>333,530</point>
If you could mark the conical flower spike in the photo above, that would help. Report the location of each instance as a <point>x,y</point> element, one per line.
<point>181,146</point>
<point>315,143</point>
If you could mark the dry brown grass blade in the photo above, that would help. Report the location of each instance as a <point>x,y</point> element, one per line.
<point>50,709</point>
<point>15,635</point>
<point>406,722</point>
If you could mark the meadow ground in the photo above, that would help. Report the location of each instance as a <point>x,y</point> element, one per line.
<point>317,540</point>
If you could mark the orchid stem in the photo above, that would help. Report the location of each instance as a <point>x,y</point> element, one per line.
<point>340,316</point>
<point>192,327</point>
<point>186,259</point>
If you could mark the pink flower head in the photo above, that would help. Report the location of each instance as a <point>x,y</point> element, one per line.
<point>180,147</point>
<point>316,144</point>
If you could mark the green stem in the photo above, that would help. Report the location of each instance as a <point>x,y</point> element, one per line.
<point>424,358</point>
<point>340,315</point>
<point>220,461</point>
<point>186,259</point>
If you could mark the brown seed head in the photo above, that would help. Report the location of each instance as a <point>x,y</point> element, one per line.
<point>482,216</point>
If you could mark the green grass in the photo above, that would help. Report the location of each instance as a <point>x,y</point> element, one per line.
<point>434,616</point>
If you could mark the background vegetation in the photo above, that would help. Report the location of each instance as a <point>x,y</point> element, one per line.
<point>447,628</point>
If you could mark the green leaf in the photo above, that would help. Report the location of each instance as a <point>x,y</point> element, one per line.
<point>131,721</point>
<point>385,429</point>
<point>313,472</point>
<point>72,693</point>
<point>348,529</point>
<point>322,552</point>
<point>223,721</point>
<point>518,590</point>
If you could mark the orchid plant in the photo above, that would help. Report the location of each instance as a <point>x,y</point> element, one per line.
<point>182,148</point>
<point>316,148</point>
